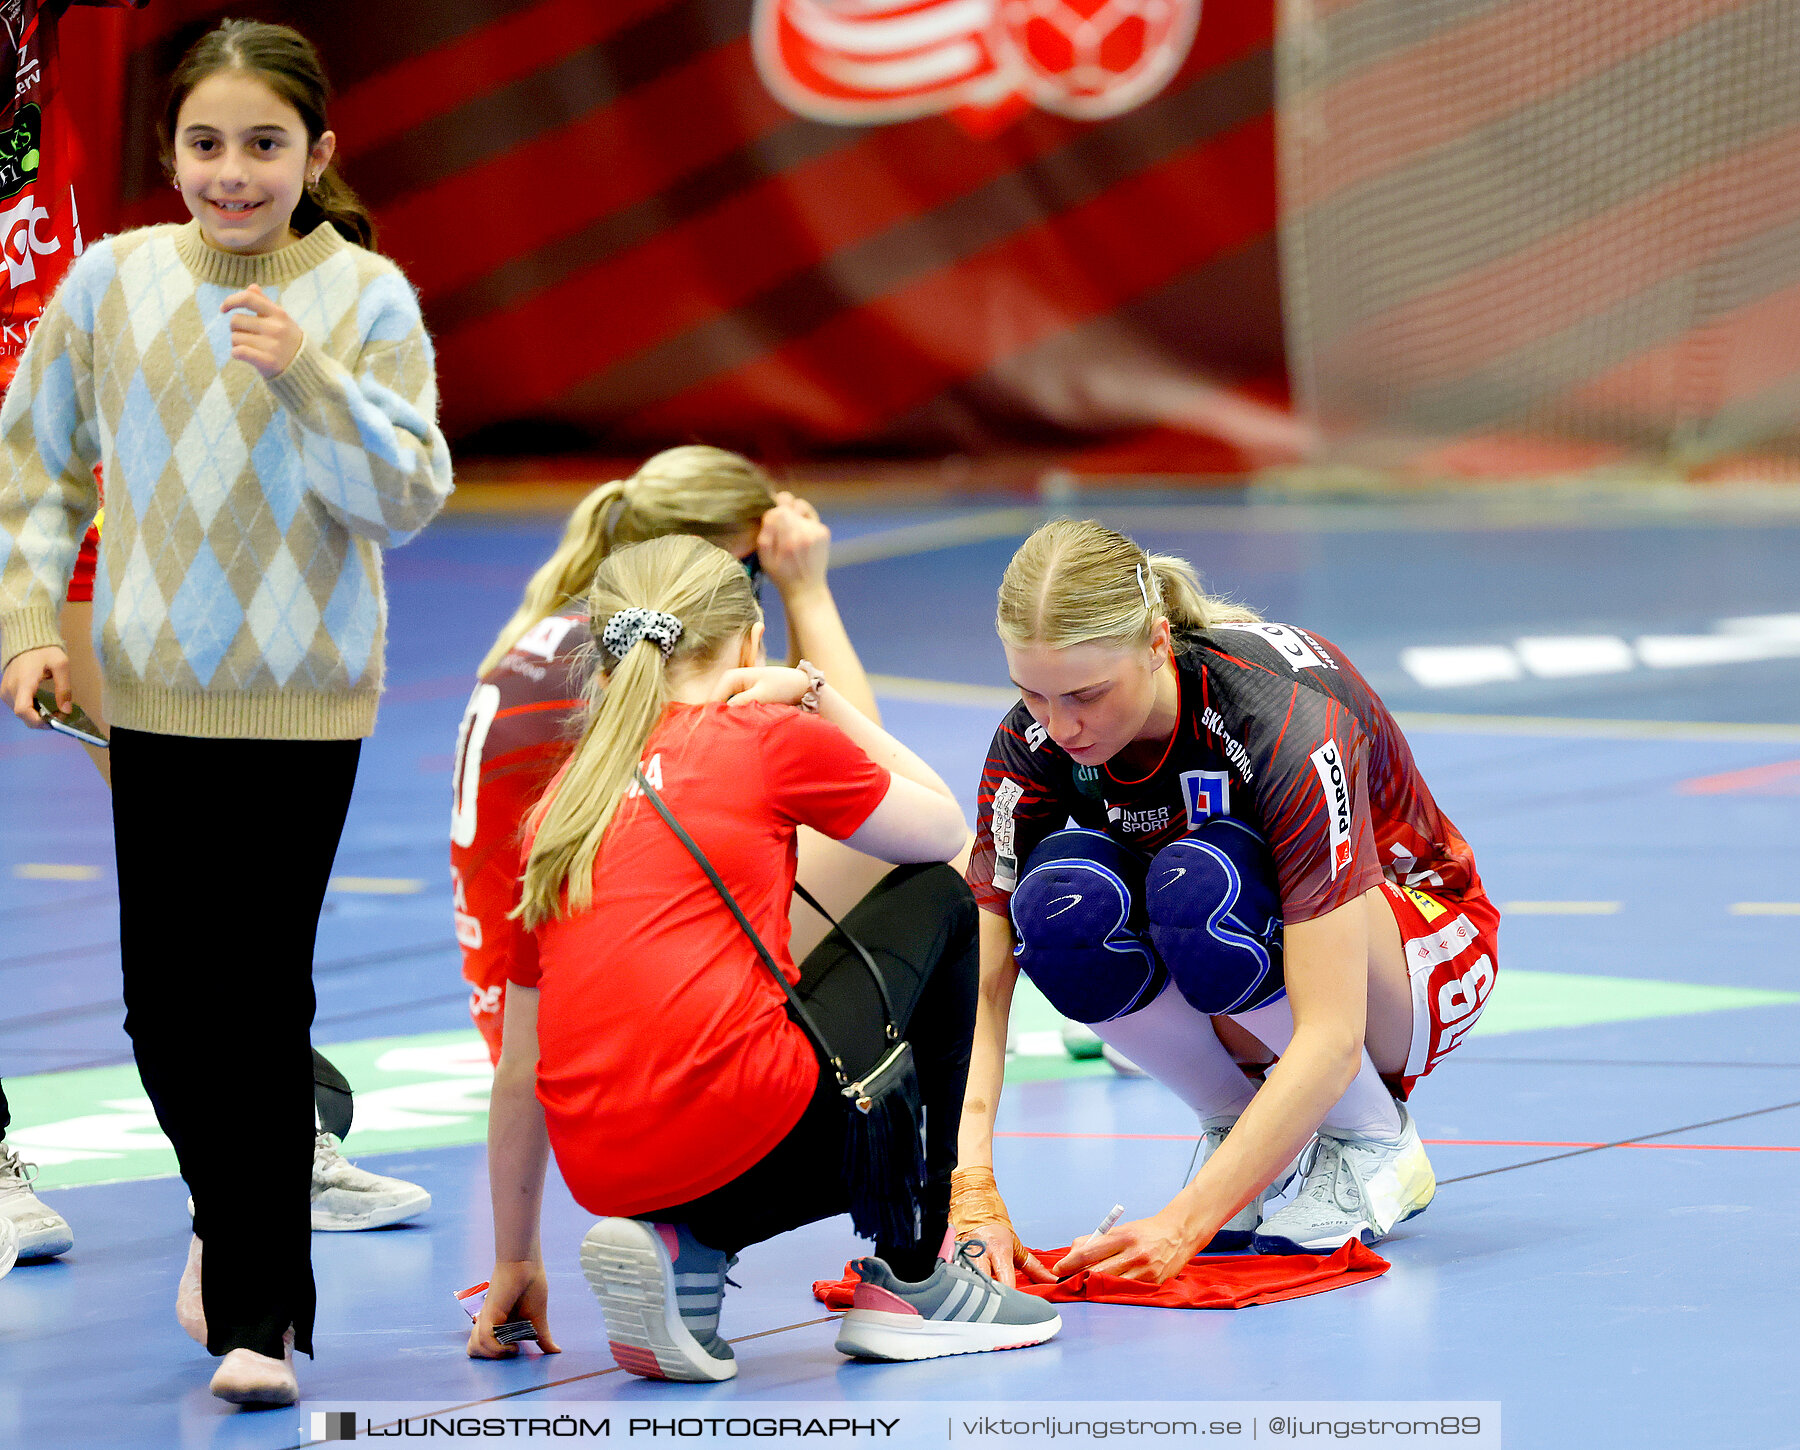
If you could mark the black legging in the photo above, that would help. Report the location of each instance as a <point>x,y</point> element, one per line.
<point>224,851</point>
<point>919,924</point>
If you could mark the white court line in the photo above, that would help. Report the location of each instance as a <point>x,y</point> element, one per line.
<point>1765,908</point>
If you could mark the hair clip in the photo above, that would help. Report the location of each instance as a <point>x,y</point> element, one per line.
<point>1144,587</point>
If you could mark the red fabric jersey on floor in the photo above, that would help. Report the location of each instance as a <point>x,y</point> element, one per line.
<point>1209,1281</point>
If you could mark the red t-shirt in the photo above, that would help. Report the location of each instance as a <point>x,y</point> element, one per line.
<point>667,1064</point>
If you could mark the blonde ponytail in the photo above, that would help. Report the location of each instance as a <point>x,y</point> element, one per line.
<point>1077,582</point>
<point>704,588</point>
<point>694,489</point>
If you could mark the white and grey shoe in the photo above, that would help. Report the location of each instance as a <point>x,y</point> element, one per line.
<point>9,1246</point>
<point>1357,1187</point>
<point>1235,1234</point>
<point>42,1232</point>
<point>660,1289</point>
<point>346,1198</point>
<point>956,1309</point>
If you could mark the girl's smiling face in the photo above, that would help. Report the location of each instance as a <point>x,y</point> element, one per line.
<point>242,162</point>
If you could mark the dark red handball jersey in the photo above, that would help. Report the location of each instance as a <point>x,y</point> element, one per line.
<point>1276,728</point>
<point>516,733</point>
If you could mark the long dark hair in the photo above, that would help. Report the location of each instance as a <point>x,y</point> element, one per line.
<point>284,60</point>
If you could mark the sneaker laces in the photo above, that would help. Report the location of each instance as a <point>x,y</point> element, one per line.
<point>1324,1181</point>
<point>326,1152</point>
<point>16,1175</point>
<point>967,1252</point>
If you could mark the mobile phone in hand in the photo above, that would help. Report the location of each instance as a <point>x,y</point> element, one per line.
<point>510,1332</point>
<point>77,724</point>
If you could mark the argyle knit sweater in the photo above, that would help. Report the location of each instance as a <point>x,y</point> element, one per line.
<point>239,588</point>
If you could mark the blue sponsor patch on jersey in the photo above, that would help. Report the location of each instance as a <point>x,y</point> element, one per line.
<point>1207,793</point>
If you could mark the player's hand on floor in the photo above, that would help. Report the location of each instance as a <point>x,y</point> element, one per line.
<point>518,1290</point>
<point>794,546</point>
<point>1151,1250</point>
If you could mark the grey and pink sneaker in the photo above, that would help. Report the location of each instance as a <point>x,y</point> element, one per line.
<point>957,1310</point>
<point>660,1289</point>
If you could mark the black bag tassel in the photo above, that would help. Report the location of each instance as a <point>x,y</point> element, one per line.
<point>884,1152</point>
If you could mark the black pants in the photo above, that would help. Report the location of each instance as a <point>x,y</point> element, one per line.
<point>919,924</point>
<point>224,850</point>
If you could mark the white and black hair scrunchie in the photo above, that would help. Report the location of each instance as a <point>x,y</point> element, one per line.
<point>629,626</point>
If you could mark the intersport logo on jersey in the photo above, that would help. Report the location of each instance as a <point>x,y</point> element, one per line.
<point>983,62</point>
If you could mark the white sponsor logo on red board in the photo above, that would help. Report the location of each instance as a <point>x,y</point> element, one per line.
<point>856,62</point>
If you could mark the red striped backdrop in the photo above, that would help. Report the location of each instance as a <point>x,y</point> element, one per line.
<point>622,239</point>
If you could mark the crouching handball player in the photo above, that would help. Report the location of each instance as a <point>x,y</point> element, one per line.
<point>1255,869</point>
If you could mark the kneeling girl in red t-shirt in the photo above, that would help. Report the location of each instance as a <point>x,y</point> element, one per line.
<point>682,1101</point>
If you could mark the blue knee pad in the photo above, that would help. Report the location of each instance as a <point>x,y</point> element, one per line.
<point>1073,913</point>
<point>1215,917</point>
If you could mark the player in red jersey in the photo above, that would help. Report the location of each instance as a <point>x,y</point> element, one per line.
<point>517,728</point>
<point>1256,869</point>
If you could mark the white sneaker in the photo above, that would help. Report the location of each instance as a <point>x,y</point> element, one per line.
<point>1357,1187</point>
<point>9,1246</point>
<point>1236,1233</point>
<point>43,1233</point>
<point>346,1198</point>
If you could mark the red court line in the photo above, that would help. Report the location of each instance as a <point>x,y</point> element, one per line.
<point>1458,1142</point>
<point>1756,778</point>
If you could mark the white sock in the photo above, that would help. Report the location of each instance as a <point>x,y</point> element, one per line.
<point>1366,1106</point>
<point>1177,1046</point>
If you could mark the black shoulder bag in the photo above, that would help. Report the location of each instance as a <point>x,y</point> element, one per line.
<point>884,1147</point>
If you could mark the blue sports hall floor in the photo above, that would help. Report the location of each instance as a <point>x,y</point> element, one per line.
<point>1603,690</point>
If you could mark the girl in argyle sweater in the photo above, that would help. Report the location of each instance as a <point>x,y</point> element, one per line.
<point>260,389</point>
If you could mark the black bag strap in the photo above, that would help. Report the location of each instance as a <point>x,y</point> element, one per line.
<point>768,960</point>
<point>887,1004</point>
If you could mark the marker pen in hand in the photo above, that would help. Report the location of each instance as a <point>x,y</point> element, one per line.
<point>1106,1224</point>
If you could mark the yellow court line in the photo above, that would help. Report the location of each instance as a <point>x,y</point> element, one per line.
<point>1000,697</point>
<point>377,885</point>
<point>1560,908</point>
<point>1765,908</point>
<point>54,871</point>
